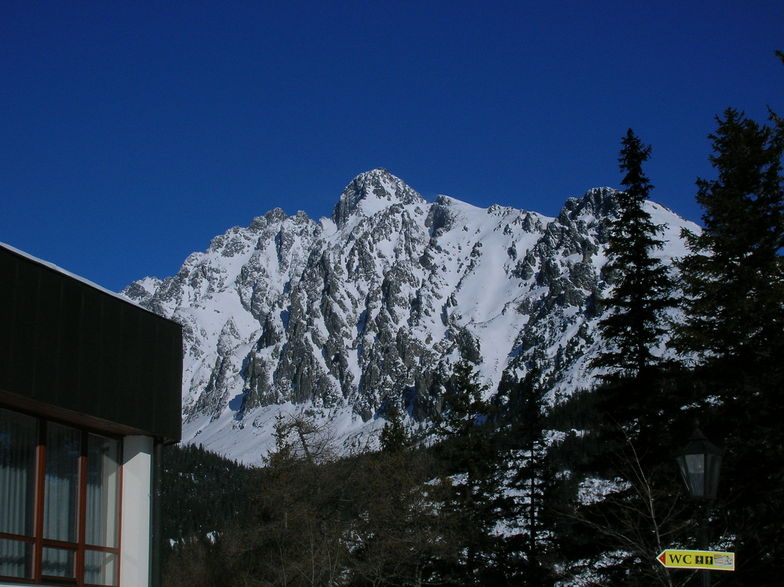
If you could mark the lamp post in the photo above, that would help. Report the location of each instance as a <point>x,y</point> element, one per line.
<point>700,462</point>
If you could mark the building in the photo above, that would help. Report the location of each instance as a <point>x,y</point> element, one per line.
<point>90,389</point>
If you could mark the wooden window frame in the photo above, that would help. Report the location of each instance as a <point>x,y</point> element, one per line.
<point>80,547</point>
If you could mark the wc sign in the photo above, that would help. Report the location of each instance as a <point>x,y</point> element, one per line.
<point>697,559</point>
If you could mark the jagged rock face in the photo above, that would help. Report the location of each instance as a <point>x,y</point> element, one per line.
<point>375,304</point>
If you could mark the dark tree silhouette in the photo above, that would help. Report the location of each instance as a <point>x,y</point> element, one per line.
<point>642,282</point>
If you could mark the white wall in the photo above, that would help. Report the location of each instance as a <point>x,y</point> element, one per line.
<point>136,511</point>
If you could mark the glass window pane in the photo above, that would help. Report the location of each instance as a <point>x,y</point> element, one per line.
<point>63,447</point>
<point>57,562</point>
<point>18,440</point>
<point>102,488</point>
<point>696,467</point>
<point>16,558</point>
<point>100,568</point>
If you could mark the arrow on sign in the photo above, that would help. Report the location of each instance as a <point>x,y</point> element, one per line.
<point>697,559</point>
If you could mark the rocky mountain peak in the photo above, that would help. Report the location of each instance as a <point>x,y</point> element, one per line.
<point>284,315</point>
<point>372,191</point>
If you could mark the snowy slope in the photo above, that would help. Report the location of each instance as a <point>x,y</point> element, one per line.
<point>338,318</point>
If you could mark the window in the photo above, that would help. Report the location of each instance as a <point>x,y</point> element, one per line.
<point>59,502</point>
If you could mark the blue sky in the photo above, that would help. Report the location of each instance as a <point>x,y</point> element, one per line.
<point>133,132</point>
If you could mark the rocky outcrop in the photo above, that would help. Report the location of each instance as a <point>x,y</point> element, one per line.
<point>377,303</point>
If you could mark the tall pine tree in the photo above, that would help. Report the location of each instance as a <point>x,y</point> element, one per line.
<point>642,282</point>
<point>734,332</point>
<point>733,277</point>
<point>633,408</point>
<point>469,452</point>
<point>531,481</point>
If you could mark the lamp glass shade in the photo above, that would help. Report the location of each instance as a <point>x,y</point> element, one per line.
<point>700,463</point>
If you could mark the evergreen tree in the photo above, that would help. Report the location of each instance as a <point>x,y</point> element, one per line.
<point>733,277</point>
<point>642,282</point>
<point>622,500</point>
<point>625,447</point>
<point>465,424</point>
<point>469,452</point>
<point>734,332</point>
<point>532,481</point>
<point>393,435</point>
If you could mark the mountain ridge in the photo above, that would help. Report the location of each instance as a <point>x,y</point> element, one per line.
<point>341,316</point>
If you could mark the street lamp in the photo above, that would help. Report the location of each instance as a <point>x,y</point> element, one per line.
<point>700,462</point>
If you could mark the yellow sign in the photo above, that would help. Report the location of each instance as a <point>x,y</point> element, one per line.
<point>698,559</point>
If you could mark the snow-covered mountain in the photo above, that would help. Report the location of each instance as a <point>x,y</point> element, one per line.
<point>339,317</point>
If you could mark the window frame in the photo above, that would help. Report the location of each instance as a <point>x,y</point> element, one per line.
<point>80,547</point>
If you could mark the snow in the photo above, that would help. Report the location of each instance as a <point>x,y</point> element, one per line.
<point>249,441</point>
<point>472,281</point>
<point>672,225</point>
<point>593,490</point>
<point>373,204</point>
